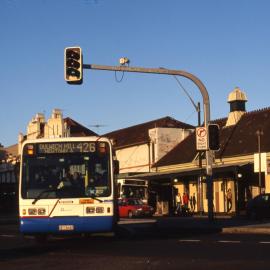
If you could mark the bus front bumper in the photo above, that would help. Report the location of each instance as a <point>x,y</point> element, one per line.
<point>66,225</point>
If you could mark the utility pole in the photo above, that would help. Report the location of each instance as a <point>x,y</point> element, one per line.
<point>259,133</point>
<point>200,186</point>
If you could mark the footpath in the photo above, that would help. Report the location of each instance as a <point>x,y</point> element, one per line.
<point>174,225</point>
<point>198,225</point>
<point>220,224</point>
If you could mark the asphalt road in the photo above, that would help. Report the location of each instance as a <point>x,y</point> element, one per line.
<point>200,251</point>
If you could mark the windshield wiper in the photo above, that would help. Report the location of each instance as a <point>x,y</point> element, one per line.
<point>55,189</point>
<point>95,198</point>
<point>43,192</point>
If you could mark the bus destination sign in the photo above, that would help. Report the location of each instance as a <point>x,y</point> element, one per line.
<point>66,147</point>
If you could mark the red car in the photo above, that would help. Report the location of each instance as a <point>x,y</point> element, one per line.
<point>134,208</point>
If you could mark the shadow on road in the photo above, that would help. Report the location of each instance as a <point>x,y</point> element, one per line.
<point>132,239</point>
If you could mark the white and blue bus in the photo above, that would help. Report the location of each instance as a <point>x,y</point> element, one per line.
<point>67,186</point>
<point>133,188</point>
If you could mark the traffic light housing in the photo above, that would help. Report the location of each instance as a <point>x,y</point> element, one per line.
<point>73,63</point>
<point>213,137</point>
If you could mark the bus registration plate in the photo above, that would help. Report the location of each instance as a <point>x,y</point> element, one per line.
<point>66,227</point>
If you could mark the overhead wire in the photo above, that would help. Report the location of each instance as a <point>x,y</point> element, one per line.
<point>119,80</point>
<point>186,92</point>
<point>123,73</point>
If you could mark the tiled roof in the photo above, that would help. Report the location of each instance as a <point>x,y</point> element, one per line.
<point>138,134</point>
<point>242,139</point>
<point>12,150</point>
<point>77,130</point>
<point>237,140</point>
<point>221,122</point>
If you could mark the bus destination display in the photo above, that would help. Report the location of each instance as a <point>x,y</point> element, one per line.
<point>66,147</point>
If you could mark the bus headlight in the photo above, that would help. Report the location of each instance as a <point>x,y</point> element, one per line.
<point>41,211</point>
<point>90,210</point>
<point>100,210</point>
<point>32,211</point>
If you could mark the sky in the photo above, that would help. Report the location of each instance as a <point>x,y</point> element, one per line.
<point>223,43</point>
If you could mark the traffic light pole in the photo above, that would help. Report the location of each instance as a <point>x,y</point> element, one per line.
<point>206,107</point>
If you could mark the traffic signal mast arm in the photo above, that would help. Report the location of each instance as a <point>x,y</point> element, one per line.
<point>164,71</point>
<point>155,71</point>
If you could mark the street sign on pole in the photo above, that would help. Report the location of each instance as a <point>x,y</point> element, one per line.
<point>201,138</point>
<point>260,158</point>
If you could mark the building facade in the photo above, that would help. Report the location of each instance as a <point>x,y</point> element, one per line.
<point>233,165</point>
<point>139,147</point>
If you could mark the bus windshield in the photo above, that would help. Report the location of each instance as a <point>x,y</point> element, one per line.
<point>65,174</point>
<point>129,191</point>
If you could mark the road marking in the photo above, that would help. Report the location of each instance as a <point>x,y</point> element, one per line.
<point>136,221</point>
<point>7,235</point>
<point>29,236</point>
<point>228,241</point>
<point>189,240</point>
<point>220,241</point>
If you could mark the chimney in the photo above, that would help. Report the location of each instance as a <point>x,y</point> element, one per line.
<point>237,100</point>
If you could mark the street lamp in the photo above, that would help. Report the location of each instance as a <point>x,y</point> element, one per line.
<point>259,133</point>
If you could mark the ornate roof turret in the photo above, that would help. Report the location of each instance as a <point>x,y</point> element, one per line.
<point>237,95</point>
<point>237,99</point>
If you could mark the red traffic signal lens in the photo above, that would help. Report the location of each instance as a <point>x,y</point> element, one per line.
<point>72,54</point>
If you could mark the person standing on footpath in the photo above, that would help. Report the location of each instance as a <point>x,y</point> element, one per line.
<point>178,204</point>
<point>193,202</point>
<point>229,200</point>
<point>185,201</point>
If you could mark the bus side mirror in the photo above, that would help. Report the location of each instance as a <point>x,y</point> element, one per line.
<point>116,166</point>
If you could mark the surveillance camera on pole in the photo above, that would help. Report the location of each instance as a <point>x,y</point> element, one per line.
<point>73,63</point>
<point>124,61</point>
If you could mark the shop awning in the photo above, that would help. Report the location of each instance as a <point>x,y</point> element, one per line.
<point>188,172</point>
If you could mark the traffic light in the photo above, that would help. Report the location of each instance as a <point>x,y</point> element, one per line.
<point>213,137</point>
<point>73,65</point>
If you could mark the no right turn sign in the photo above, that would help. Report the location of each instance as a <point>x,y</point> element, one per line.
<point>201,138</point>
